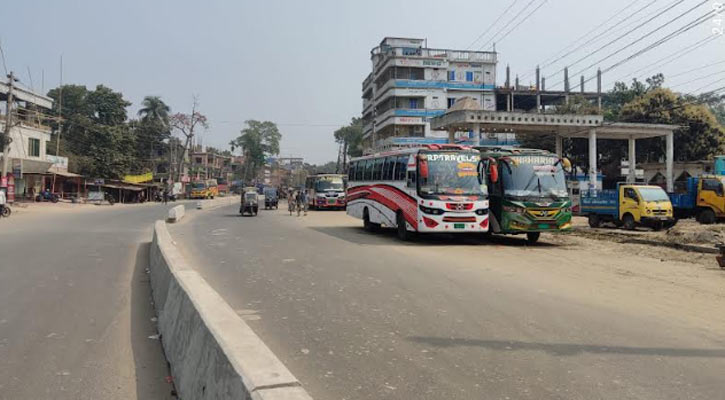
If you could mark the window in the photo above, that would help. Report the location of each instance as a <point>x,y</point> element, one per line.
<point>451,75</point>
<point>33,147</point>
<point>378,169</point>
<point>351,171</point>
<point>413,103</point>
<point>360,170</point>
<point>368,170</point>
<point>451,101</point>
<point>629,192</point>
<point>401,167</point>
<point>388,169</point>
<point>469,76</point>
<point>711,184</point>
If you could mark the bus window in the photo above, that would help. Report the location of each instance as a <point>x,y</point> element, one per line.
<point>378,169</point>
<point>401,167</point>
<point>369,169</point>
<point>359,170</point>
<point>388,168</point>
<point>351,171</point>
<point>411,179</point>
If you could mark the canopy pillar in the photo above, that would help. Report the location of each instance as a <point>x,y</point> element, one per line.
<point>632,177</point>
<point>669,159</point>
<point>592,159</point>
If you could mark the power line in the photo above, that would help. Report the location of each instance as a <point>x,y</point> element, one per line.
<point>677,32</point>
<point>558,55</point>
<point>507,24</point>
<point>696,69</point>
<point>697,79</point>
<point>522,21</point>
<point>709,84</point>
<point>492,25</point>
<point>671,6</point>
<point>672,57</point>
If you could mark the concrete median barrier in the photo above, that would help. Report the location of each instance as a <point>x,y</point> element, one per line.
<point>176,213</point>
<point>212,352</point>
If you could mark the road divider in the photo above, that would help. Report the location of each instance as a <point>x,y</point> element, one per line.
<point>212,352</point>
<point>176,213</point>
<point>211,204</point>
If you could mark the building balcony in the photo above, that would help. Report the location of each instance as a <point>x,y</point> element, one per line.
<point>380,54</point>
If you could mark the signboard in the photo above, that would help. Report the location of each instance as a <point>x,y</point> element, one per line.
<point>59,163</point>
<point>11,189</point>
<point>99,182</point>
<point>95,196</point>
<point>408,120</point>
<point>139,178</point>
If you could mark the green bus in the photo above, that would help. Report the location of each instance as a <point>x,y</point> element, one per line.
<point>527,191</point>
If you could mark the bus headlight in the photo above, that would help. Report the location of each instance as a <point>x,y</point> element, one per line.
<point>433,211</point>
<point>514,209</point>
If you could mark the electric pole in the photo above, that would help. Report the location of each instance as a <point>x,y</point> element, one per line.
<point>8,125</point>
<point>60,122</point>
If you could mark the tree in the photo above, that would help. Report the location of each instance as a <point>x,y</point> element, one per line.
<point>700,137</point>
<point>350,138</point>
<point>154,109</point>
<point>186,125</point>
<point>257,141</point>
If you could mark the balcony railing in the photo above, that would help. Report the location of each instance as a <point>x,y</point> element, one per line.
<point>453,55</point>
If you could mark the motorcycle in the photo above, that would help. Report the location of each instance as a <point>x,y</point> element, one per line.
<point>6,211</point>
<point>107,196</point>
<point>46,195</point>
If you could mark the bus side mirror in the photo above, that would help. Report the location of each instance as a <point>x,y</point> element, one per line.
<point>493,170</point>
<point>423,167</point>
<point>566,165</point>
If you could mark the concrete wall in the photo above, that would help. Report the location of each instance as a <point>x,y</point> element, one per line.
<point>19,145</point>
<point>213,354</point>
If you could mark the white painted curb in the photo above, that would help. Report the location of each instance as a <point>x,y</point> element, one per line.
<point>212,352</point>
<point>176,213</point>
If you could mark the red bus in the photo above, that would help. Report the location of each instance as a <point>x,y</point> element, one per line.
<point>433,188</point>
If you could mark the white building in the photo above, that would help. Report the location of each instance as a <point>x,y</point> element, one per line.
<point>411,83</point>
<point>27,158</point>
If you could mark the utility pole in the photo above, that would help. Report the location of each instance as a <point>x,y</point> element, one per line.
<point>60,122</point>
<point>8,125</point>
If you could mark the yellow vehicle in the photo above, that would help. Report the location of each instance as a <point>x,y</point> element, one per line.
<point>703,198</point>
<point>629,206</point>
<point>207,189</point>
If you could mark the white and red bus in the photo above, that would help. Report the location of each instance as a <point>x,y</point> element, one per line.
<point>325,191</point>
<point>432,188</point>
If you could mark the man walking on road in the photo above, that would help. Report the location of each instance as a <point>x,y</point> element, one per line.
<point>301,202</point>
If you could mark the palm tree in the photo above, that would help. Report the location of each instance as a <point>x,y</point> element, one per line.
<point>154,109</point>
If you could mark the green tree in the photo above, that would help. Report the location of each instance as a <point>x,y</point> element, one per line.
<point>350,138</point>
<point>154,110</point>
<point>257,141</point>
<point>700,137</point>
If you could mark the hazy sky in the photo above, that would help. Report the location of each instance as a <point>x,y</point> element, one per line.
<point>301,63</point>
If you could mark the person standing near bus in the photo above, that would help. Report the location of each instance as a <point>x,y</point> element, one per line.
<point>301,201</point>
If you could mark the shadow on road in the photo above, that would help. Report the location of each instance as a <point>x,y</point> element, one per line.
<point>387,237</point>
<point>568,349</point>
<point>151,366</point>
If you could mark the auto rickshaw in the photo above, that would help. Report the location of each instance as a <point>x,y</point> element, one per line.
<point>271,199</point>
<point>250,203</point>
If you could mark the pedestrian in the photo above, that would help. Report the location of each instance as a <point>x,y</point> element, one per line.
<point>301,202</point>
<point>166,196</point>
<point>3,200</point>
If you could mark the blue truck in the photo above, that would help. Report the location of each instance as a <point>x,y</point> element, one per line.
<point>703,198</point>
<point>629,205</point>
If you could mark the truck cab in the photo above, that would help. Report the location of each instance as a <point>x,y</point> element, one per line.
<point>629,206</point>
<point>710,199</point>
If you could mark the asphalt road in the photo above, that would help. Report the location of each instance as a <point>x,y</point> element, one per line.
<point>363,316</point>
<point>75,309</point>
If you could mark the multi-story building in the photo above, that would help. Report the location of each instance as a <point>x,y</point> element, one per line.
<point>411,83</point>
<point>210,164</point>
<point>29,134</point>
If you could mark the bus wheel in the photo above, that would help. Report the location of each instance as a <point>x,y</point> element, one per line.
<point>403,233</point>
<point>533,237</point>
<point>628,222</point>
<point>594,221</point>
<point>369,226</point>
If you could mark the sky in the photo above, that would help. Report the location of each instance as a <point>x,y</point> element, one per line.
<point>301,63</point>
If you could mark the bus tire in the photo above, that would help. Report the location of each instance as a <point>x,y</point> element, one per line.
<point>533,237</point>
<point>706,216</point>
<point>628,222</point>
<point>403,233</point>
<point>367,224</point>
<point>594,221</point>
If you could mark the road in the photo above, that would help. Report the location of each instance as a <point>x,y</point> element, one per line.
<point>76,314</point>
<point>363,316</point>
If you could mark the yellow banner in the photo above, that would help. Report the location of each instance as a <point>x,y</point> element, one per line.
<point>139,178</point>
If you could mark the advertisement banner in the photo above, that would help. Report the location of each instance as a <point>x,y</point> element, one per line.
<point>147,177</point>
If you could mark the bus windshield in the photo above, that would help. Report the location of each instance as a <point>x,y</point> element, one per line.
<point>539,177</point>
<point>451,173</point>
<point>655,194</point>
<point>331,183</point>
